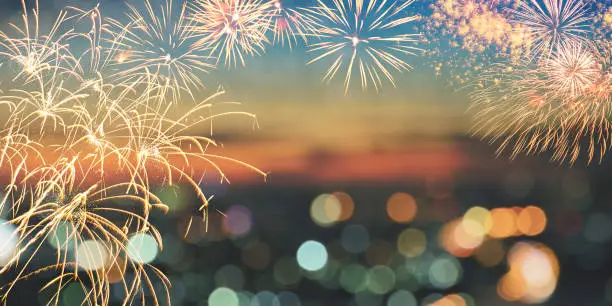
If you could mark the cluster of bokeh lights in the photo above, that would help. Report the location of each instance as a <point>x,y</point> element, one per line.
<point>416,255</point>
<point>479,234</point>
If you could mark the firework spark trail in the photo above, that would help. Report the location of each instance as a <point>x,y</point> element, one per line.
<point>160,42</point>
<point>290,25</point>
<point>77,112</point>
<point>33,51</point>
<point>557,105</point>
<point>231,29</point>
<point>360,37</point>
<point>93,61</point>
<point>536,71</point>
<point>57,200</point>
<point>572,69</point>
<point>557,23</point>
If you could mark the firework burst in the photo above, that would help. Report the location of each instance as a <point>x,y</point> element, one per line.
<point>231,29</point>
<point>467,35</point>
<point>90,233</point>
<point>361,38</point>
<point>32,51</point>
<point>91,129</point>
<point>160,43</point>
<point>561,105</point>
<point>554,24</point>
<point>290,25</point>
<point>571,70</point>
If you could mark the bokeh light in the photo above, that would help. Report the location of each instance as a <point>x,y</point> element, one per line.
<point>325,210</point>
<point>223,297</point>
<point>312,255</point>
<point>263,298</point>
<point>244,298</point>
<point>8,242</point>
<point>511,287</point>
<point>174,196</point>
<point>62,237</point>
<point>401,207</point>
<point>450,300</point>
<point>142,248</point>
<point>478,217</point>
<point>92,255</point>
<point>502,223</point>
<point>469,233</point>
<point>408,277</point>
<point>353,278</point>
<point>490,253</point>
<point>73,294</point>
<point>453,237</point>
<point>116,270</point>
<point>445,272</point>
<point>402,298</point>
<point>347,205</point>
<point>229,276</point>
<point>237,221</point>
<point>532,276</point>
<point>411,242</point>
<point>531,221</point>
<point>355,238</point>
<point>380,279</point>
<point>286,298</point>
<point>431,299</point>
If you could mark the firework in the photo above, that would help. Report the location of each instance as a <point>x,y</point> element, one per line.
<point>43,107</point>
<point>290,25</point>
<point>363,38</point>
<point>556,23</point>
<point>160,43</point>
<point>231,29</point>
<point>91,129</point>
<point>95,46</point>
<point>532,108</point>
<point>571,70</point>
<point>59,202</point>
<point>33,52</point>
<point>468,35</point>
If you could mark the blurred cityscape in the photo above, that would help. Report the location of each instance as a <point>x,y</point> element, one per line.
<point>434,223</point>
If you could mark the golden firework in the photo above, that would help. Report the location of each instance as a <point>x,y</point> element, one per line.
<point>560,104</point>
<point>160,42</point>
<point>90,132</point>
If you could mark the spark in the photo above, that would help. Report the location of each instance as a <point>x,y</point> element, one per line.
<point>572,69</point>
<point>465,36</point>
<point>290,25</point>
<point>363,37</point>
<point>89,124</point>
<point>555,24</point>
<point>158,44</point>
<point>537,107</point>
<point>33,51</point>
<point>231,29</point>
